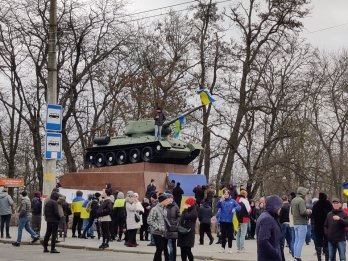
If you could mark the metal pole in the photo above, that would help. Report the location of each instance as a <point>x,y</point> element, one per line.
<point>50,170</point>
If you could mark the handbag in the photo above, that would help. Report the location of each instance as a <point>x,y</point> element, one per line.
<point>137,218</point>
<point>183,230</point>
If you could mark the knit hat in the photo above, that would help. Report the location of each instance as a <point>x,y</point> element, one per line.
<point>120,195</point>
<point>37,194</point>
<point>162,197</point>
<point>130,193</point>
<point>190,201</point>
<point>336,200</point>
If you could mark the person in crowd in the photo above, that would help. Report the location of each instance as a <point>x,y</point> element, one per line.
<point>150,189</point>
<point>252,221</point>
<point>285,222</point>
<point>188,220</point>
<point>24,215</point>
<point>292,195</point>
<point>76,207</point>
<point>144,229</point>
<point>228,208</point>
<point>300,215</point>
<point>177,194</point>
<point>218,228</point>
<point>104,213</point>
<point>199,195</point>
<point>53,218</point>
<point>209,193</point>
<point>85,215</point>
<point>132,219</point>
<point>204,216</point>
<point>173,216</point>
<point>139,210</point>
<point>97,197</point>
<point>92,209</point>
<point>62,224</point>
<point>156,221</point>
<point>345,210</point>
<point>109,187</point>
<point>171,186</point>
<point>159,120</point>
<point>334,229</point>
<point>36,211</point>
<point>309,205</point>
<point>268,231</point>
<point>319,212</point>
<point>243,219</point>
<point>6,203</point>
<point>260,207</point>
<point>119,215</point>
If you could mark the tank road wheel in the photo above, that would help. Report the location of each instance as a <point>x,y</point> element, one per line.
<point>99,160</point>
<point>121,157</point>
<point>134,155</point>
<point>147,154</point>
<point>90,157</point>
<point>110,158</point>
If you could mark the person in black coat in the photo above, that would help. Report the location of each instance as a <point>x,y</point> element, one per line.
<point>319,212</point>
<point>173,216</point>
<point>177,194</point>
<point>269,232</point>
<point>204,215</point>
<point>52,218</point>
<point>188,220</point>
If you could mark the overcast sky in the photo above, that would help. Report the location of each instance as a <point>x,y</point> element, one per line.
<point>325,14</point>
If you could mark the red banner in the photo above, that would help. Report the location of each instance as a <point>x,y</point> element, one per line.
<point>13,183</point>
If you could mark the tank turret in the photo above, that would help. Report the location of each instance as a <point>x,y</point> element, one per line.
<point>139,144</point>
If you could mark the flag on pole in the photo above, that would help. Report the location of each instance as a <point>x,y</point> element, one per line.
<point>179,124</point>
<point>206,96</point>
<point>345,188</point>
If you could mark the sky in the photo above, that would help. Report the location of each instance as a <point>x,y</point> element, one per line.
<point>325,28</point>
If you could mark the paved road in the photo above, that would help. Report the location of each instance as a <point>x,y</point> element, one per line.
<point>34,252</point>
<point>85,249</point>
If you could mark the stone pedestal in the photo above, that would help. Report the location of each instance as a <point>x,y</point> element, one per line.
<point>127,177</point>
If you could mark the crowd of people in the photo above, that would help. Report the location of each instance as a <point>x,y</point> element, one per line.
<point>276,222</point>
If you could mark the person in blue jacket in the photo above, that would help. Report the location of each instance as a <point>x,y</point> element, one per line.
<point>269,232</point>
<point>228,208</point>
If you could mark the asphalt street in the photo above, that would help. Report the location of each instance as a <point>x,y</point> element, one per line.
<point>34,252</point>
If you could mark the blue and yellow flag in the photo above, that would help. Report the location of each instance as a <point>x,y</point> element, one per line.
<point>179,124</point>
<point>345,188</point>
<point>205,95</point>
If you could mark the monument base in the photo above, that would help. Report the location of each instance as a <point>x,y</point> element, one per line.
<point>123,178</point>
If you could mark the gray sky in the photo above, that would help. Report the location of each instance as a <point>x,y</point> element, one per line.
<point>325,14</point>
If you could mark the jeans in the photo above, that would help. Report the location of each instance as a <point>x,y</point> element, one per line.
<point>300,235</point>
<point>291,246</point>
<point>158,131</point>
<point>172,249</point>
<point>25,223</point>
<point>241,235</point>
<point>90,230</point>
<point>286,235</point>
<point>309,234</point>
<point>341,247</point>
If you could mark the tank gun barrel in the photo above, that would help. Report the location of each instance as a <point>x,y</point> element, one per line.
<point>171,121</point>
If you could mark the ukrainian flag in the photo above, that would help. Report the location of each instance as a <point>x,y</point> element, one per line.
<point>345,188</point>
<point>206,96</point>
<point>179,124</point>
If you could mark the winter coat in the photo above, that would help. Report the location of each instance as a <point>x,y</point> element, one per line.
<point>205,214</point>
<point>159,118</point>
<point>245,209</point>
<point>36,206</point>
<point>104,210</point>
<point>268,232</point>
<point>92,208</point>
<point>146,212</point>
<point>25,208</point>
<point>319,212</point>
<point>335,230</point>
<point>156,220</point>
<point>119,211</point>
<point>188,220</point>
<point>131,209</point>
<point>298,207</point>
<point>173,217</point>
<point>140,211</point>
<point>51,209</point>
<point>177,194</point>
<point>228,207</point>
<point>284,213</point>
<point>150,189</point>
<point>5,204</point>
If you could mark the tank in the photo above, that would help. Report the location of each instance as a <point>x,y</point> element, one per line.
<point>139,145</point>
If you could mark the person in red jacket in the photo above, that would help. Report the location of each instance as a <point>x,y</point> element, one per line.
<point>334,228</point>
